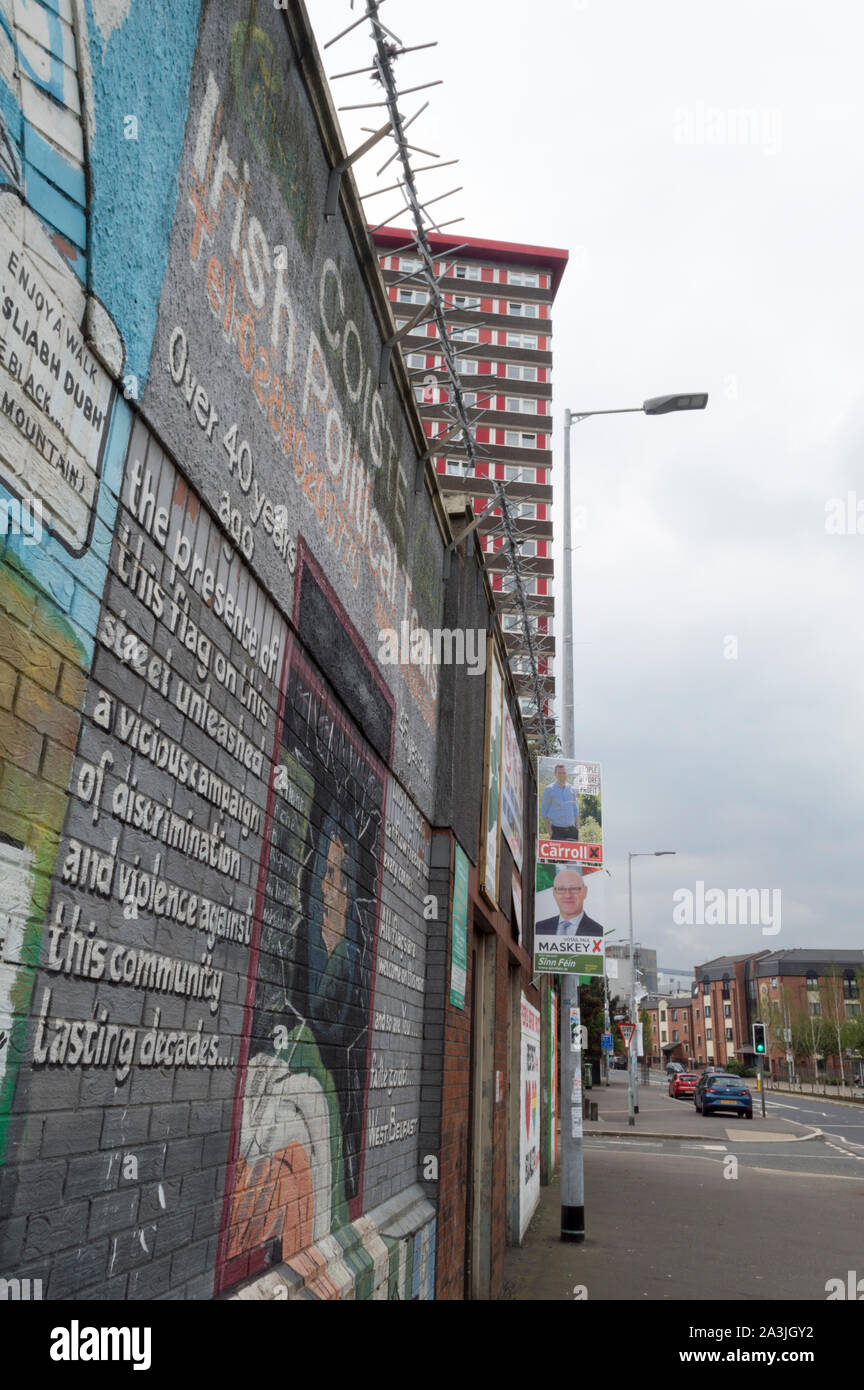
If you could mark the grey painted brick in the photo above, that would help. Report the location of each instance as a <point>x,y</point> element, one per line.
<point>205,1117</point>
<point>113,1212</point>
<point>99,1089</point>
<point>167,1121</point>
<point>71,1133</point>
<point>76,1269</point>
<point>9,1185</point>
<point>150,1159</point>
<point>215,1151</point>
<point>199,1187</point>
<point>174,1231</point>
<point>200,1288</point>
<point>208,1219</point>
<point>123,1127</point>
<point>183,1156</point>
<point>98,1172</point>
<point>131,1249</point>
<point>149,1086</point>
<point>185,1264</point>
<point>12,1235</point>
<point>151,1280</point>
<point>112,1291</point>
<point>158,1199</point>
<point>56,1089</point>
<point>57,1229</point>
<point>193,1083</point>
<point>223,1081</point>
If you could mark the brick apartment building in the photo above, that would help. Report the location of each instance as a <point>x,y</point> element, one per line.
<point>501,297</point>
<point>673,1025</point>
<point>732,992</point>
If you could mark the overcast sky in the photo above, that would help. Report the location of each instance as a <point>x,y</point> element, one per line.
<point>703,165</point>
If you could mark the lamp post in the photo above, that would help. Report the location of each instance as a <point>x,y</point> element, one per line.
<point>607,1022</point>
<point>657,405</point>
<point>632,1092</point>
<point>572,1174</point>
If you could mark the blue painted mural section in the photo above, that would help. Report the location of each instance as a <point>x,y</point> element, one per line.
<point>134,182</point>
<point>52,183</point>
<point>76,586</point>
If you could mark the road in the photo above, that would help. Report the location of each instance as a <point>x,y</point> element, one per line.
<point>695,1208</point>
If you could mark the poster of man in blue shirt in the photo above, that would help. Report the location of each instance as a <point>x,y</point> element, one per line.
<point>569,815</point>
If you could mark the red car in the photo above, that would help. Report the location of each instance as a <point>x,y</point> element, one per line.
<point>683,1084</point>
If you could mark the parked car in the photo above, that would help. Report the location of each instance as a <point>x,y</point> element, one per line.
<point>716,1090</point>
<point>683,1083</point>
<point>673,1068</point>
<point>619,1062</point>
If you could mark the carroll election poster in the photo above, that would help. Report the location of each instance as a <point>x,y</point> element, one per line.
<point>569,815</point>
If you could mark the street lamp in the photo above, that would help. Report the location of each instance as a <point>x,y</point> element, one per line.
<point>655,405</point>
<point>632,1093</point>
<point>572,1177</point>
<point>607,1023</point>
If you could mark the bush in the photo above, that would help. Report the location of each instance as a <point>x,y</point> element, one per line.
<point>750,1071</point>
<point>734,1068</point>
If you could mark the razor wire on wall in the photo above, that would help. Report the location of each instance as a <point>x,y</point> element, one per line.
<point>388,47</point>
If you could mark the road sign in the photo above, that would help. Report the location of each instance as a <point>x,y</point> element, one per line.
<point>607,1042</point>
<point>627,1031</point>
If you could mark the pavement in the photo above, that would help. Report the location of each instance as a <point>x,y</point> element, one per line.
<point>686,1207</point>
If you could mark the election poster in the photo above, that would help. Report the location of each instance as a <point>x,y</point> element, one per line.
<point>569,920</point>
<point>569,812</point>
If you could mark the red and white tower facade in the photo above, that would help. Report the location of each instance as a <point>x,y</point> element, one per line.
<point>499,295</point>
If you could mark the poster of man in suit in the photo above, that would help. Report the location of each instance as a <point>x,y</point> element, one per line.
<point>568,939</point>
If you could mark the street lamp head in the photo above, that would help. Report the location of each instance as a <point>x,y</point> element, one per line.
<point>658,852</point>
<point>665,405</point>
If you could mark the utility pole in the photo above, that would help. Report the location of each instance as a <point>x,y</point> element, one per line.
<point>572,1163</point>
<point>572,1172</point>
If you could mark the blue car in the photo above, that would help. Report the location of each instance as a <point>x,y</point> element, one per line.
<point>720,1091</point>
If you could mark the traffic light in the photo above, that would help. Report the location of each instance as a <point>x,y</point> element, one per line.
<point>759,1039</point>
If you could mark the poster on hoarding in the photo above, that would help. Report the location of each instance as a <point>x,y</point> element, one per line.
<point>569,920</point>
<point>491,823</point>
<point>459,930</point>
<point>512,790</point>
<point>516,897</point>
<point>529,1130</point>
<point>569,812</point>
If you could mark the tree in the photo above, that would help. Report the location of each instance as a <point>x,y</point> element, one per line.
<point>811,1036</point>
<point>833,1002</point>
<point>647,1036</point>
<point>775,1014</point>
<point>591,1010</point>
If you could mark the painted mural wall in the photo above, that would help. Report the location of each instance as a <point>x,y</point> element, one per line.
<point>215,799</point>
